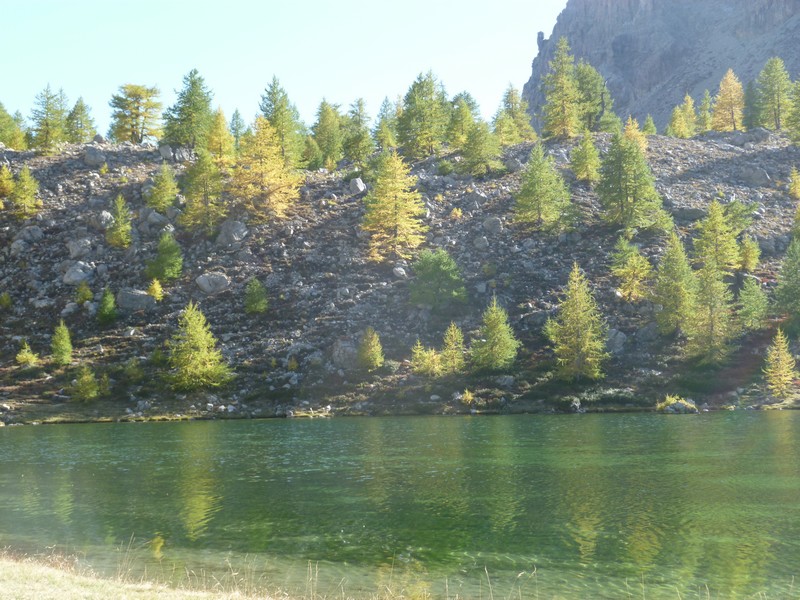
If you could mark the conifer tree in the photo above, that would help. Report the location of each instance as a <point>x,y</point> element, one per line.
<point>704,122</point>
<point>585,160</point>
<point>751,113</point>
<point>715,244</point>
<point>673,287</point>
<point>61,345</point>
<point>312,155</point>
<point>193,356</point>
<point>79,125</point>
<point>6,185</point>
<point>385,131</point>
<point>633,270</point>
<point>202,187</point>
<point>578,333</point>
<point>357,141</point>
<point>594,99</point>
<point>779,367</point>
<point>504,129</point>
<point>452,354</point>
<point>261,179</point>
<point>220,142</point>
<point>370,351</point>
<point>135,113</point>
<point>85,387</point>
<point>118,233</point>
<point>543,201</point>
<point>48,119</point>
<point>728,104</point>
<point>11,130</point>
<point>155,290</point>
<point>168,262</point>
<point>774,87</point>
<point>753,305</point>
<point>462,120</point>
<point>481,151</point>
<point>23,196</point>
<point>107,311</point>
<point>649,127</point>
<point>627,188</point>
<point>711,326</point>
<point>438,282</point>
<point>793,115</point>
<point>26,357</point>
<point>496,347</point>
<point>749,254</point>
<point>560,112</point>
<point>237,128</point>
<point>187,122</point>
<point>422,124</point>
<point>328,134</point>
<point>516,107</point>
<point>393,209</point>
<point>425,361</point>
<point>787,294</point>
<point>255,297</point>
<point>634,134</point>
<point>284,119</point>
<point>794,184</point>
<point>689,115</point>
<point>165,189</point>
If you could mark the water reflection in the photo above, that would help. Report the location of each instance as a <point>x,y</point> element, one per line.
<point>588,503</point>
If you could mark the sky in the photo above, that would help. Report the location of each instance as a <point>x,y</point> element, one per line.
<point>337,50</point>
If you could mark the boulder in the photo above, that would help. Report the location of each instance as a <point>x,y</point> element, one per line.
<point>165,150</point>
<point>754,176</point>
<point>493,225</point>
<point>19,248</point>
<point>513,165</point>
<point>30,234</point>
<point>102,220</point>
<point>78,272</point>
<point>357,186</point>
<point>79,248</point>
<point>93,157</point>
<point>131,300</point>
<point>400,272</point>
<point>476,197</point>
<point>231,232</point>
<point>213,283</point>
<point>344,354</point>
<point>99,139</point>
<point>480,242</point>
<point>616,341</point>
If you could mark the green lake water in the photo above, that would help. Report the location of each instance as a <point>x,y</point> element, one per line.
<point>571,506</point>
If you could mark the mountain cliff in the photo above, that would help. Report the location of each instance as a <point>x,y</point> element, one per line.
<point>652,52</point>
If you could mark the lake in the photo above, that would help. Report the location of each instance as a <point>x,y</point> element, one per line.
<point>590,506</point>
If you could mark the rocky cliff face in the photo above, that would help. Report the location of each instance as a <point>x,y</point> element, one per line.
<point>654,51</point>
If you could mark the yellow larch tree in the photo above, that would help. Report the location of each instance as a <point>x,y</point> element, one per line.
<point>728,104</point>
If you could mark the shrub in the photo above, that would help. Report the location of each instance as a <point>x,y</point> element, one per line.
<point>85,387</point>
<point>155,290</point>
<point>676,404</point>
<point>168,263</point>
<point>370,351</point>
<point>5,301</point>
<point>438,283</point>
<point>26,357</point>
<point>83,293</point>
<point>255,297</point>
<point>107,311</point>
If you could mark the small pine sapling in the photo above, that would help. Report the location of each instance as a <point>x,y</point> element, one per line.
<point>26,357</point>
<point>83,293</point>
<point>61,345</point>
<point>107,311</point>
<point>370,351</point>
<point>85,387</point>
<point>155,290</point>
<point>255,298</point>
<point>779,367</point>
<point>118,233</point>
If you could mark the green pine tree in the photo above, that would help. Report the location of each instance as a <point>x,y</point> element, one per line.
<point>370,351</point>
<point>193,356</point>
<point>49,120</point>
<point>107,311</point>
<point>704,113</point>
<point>543,201</point>
<point>438,282</point>
<point>26,357</point>
<point>422,124</point>
<point>753,305</point>
<point>585,160</point>
<point>633,270</point>
<point>715,244</point>
<point>385,132</point>
<point>711,325</point>
<point>61,345</point>
<point>787,294</point>
<point>202,187</point>
<point>255,297</point>
<point>673,287</point>
<point>12,132</point>
<point>23,196</point>
<point>165,189</point>
<point>135,114</point>
<point>578,333</point>
<point>168,262</point>
<point>237,127</point>
<point>774,88</point>
<point>793,115</point>
<point>284,120</point>
<point>561,114</point>
<point>79,125</point>
<point>118,233</point>
<point>357,142</point>
<point>425,361</point>
<point>462,120</point>
<point>481,151</point>
<point>649,127</point>
<point>779,367</point>
<point>187,122</point>
<point>595,103</point>
<point>328,134</point>
<point>85,387</point>
<point>6,185</point>
<point>496,347</point>
<point>453,352</point>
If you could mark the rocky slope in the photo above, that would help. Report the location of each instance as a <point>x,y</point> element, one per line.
<point>652,52</point>
<point>324,292</point>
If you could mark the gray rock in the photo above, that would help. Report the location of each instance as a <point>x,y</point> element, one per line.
<point>344,354</point>
<point>165,150</point>
<point>131,300</point>
<point>493,225</point>
<point>400,272</point>
<point>213,283</point>
<point>616,341</point>
<point>79,248</point>
<point>231,232</point>
<point>687,214</point>
<point>30,234</point>
<point>357,186</point>
<point>70,308</point>
<point>78,272</point>
<point>476,197</point>
<point>102,220</point>
<point>19,248</point>
<point>754,176</point>
<point>93,157</point>
<point>647,334</point>
<point>157,220</point>
<point>183,154</point>
<point>505,381</point>
<point>481,243</point>
<point>99,139</point>
<point>513,165</point>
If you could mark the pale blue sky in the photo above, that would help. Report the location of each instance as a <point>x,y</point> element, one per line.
<point>340,50</point>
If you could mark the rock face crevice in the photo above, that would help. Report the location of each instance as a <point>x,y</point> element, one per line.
<point>652,52</point>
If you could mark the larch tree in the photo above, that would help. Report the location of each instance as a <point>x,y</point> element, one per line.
<point>512,123</point>
<point>711,325</point>
<point>119,233</point>
<point>393,211</point>
<point>452,356</point>
<point>164,190</point>
<point>237,127</point>
<point>438,282</point>
<point>787,294</point>
<point>357,141</point>
<point>284,119</point>
<point>793,114</point>
<point>135,114</point>
<point>543,200</point>
<point>481,151</point>
<point>220,142</point>
<point>728,104</point>
<point>496,346</point>
<point>779,367</point>
<point>753,305</point>
<point>715,244</point>
<point>202,187</point>
<point>61,345</point>
<point>627,188</point>
<point>794,183</point>
<point>585,160</point>
<point>632,132</point>
<point>370,351</point>
<point>751,113</point>
<point>255,298</point>
<point>385,132</point>
<point>168,262</point>
<point>24,194</point>
<point>632,269</point>
<point>649,127</point>
<point>422,124</point>
<point>704,121</point>
<point>328,134</point>
<point>187,122</point>
<point>261,179</point>
<point>79,125</point>
<point>673,287</point>
<point>462,120</point>
<point>595,102</point>
<point>562,98</point>
<point>194,359</point>
<point>12,132</point>
<point>6,185</point>
<point>578,333</point>
<point>49,120</point>
<point>774,87</point>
